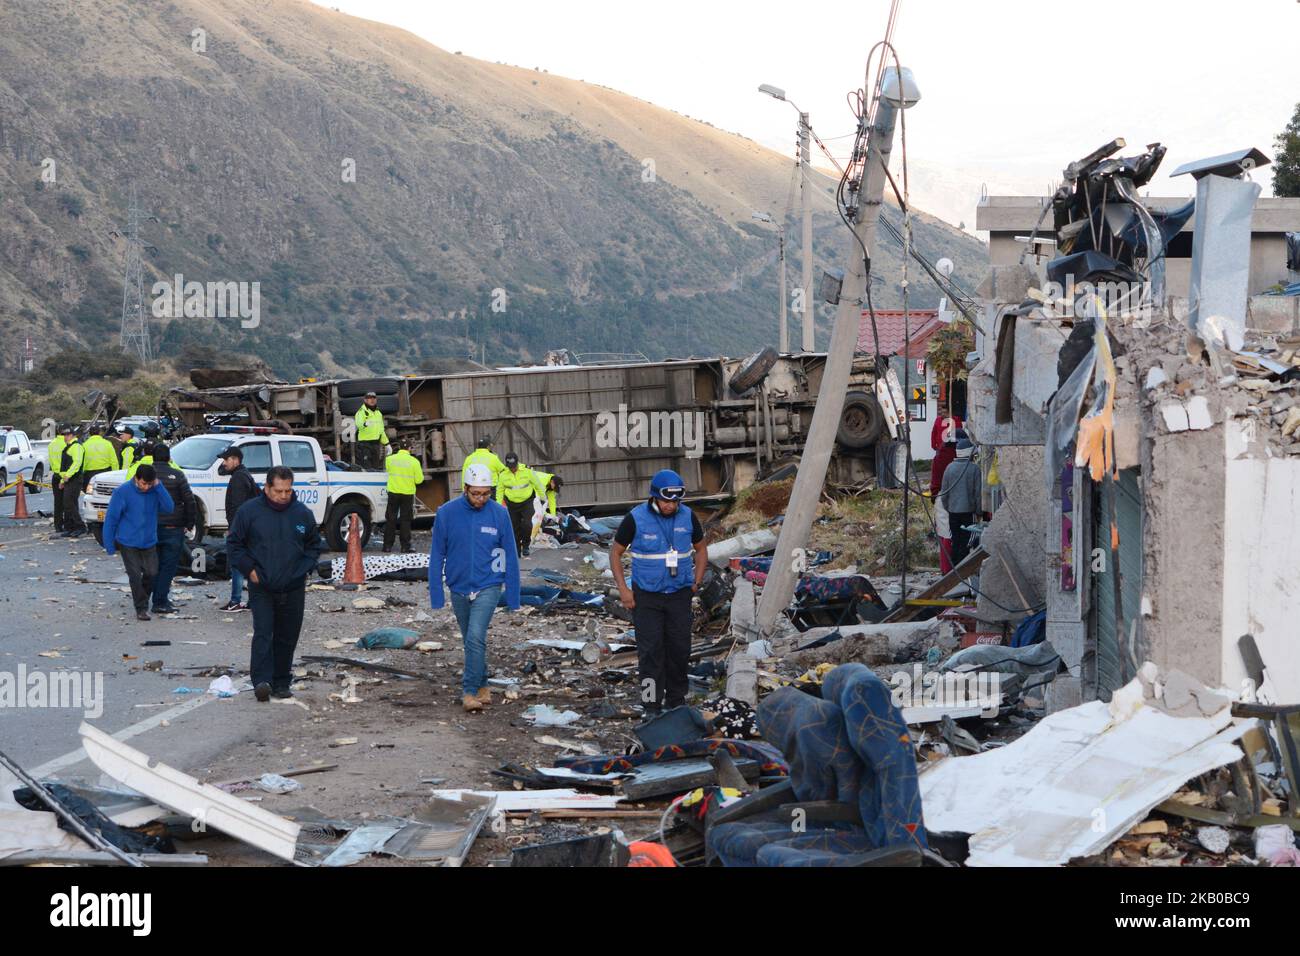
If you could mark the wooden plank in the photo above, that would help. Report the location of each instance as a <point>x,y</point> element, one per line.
<point>906,612</point>
<point>1206,815</point>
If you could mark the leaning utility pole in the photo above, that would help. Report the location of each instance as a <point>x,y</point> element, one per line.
<point>805,201</point>
<point>135,321</point>
<point>809,479</point>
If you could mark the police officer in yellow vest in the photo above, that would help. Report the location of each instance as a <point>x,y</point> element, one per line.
<point>98,456</point>
<point>516,489</point>
<point>144,459</point>
<point>70,463</point>
<point>548,486</point>
<point>53,462</point>
<point>126,436</point>
<point>483,455</point>
<point>404,473</point>
<point>371,436</point>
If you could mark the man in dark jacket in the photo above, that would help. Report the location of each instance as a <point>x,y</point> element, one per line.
<point>275,543</point>
<point>172,527</point>
<point>241,487</point>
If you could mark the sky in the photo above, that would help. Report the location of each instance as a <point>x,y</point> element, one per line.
<point>1011,90</point>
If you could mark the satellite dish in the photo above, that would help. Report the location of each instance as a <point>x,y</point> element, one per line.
<point>944,266</point>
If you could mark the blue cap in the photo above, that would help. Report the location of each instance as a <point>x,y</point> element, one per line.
<point>666,479</point>
<point>963,440</point>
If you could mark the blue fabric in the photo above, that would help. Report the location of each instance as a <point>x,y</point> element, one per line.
<point>474,616</point>
<point>1032,630</point>
<point>535,596</point>
<point>475,548</point>
<point>850,746</point>
<point>282,546</point>
<point>132,516</point>
<point>655,534</point>
<point>236,586</point>
<point>171,544</point>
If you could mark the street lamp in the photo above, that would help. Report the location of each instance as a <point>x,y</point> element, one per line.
<point>780,231</point>
<point>805,204</point>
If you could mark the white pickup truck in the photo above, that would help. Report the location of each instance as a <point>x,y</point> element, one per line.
<point>20,457</point>
<point>332,494</point>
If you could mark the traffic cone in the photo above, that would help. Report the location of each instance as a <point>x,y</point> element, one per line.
<point>354,571</point>
<point>20,506</point>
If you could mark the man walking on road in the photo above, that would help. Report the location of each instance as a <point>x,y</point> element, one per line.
<point>172,527</point>
<point>473,542</point>
<point>240,488</point>
<point>516,489</point>
<point>371,436</point>
<point>275,543</point>
<point>661,533</point>
<point>404,473</point>
<point>131,526</point>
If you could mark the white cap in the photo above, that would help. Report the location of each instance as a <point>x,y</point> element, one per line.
<point>478,476</point>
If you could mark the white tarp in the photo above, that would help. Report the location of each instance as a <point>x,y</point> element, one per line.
<point>1076,782</point>
<point>23,829</point>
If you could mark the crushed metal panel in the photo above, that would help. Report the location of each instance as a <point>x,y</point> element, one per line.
<point>1221,261</point>
<point>558,799</point>
<point>184,794</point>
<point>443,830</point>
<point>1073,784</point>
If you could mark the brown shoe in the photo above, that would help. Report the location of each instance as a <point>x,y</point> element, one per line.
<point>471,703</point>
<point>484,695</point>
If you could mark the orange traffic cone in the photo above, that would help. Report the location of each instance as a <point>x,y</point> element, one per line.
<point>20,506</point>
<point>354,571</point>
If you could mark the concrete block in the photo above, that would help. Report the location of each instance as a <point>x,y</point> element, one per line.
<point>1062,694</point>
<point>1071,641</point>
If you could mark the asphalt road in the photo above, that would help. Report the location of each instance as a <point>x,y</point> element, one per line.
<point>68,599</point>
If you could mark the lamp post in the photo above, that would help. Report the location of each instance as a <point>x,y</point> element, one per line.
<point>784,339</point>
<point>805,209</point>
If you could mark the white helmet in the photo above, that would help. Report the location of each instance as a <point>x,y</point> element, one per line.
<point>478,476</point>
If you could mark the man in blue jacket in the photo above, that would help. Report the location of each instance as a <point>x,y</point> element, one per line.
<point>474,541</point>
<point>660,535</point>
<point>274,542</point>
<point>131,527</point>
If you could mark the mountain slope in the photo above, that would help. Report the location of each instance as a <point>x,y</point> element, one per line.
<point>470,177</point>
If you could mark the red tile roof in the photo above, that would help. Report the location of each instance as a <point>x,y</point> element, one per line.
<point>923,323</point>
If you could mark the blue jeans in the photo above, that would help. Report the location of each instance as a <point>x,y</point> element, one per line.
<point>473,618</point>
<point>236,586</point>
<point>171,545</point>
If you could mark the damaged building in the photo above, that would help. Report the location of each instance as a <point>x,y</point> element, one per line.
<point>1134,395</point>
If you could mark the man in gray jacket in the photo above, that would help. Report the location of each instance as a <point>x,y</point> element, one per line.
<point>960,496</point>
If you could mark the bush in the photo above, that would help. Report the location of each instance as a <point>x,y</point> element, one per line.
<point>74,365</point>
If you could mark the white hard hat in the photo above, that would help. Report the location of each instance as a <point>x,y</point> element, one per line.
<point>478,476</point>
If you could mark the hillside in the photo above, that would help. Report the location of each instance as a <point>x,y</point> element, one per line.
<point>469,177</point>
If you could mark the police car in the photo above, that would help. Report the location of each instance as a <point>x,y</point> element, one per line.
<point>333,496</point>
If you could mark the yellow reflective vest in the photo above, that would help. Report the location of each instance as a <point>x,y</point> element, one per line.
<point>404,472</point>
<point>483,456</point>
<point>517,485</point>
<point>146,460</point>
<point>99,454</point>
<point>370,424</point>
<point>73,455</point>
<point>54,453</point>
<point>543,480</point>
<point>128,453</point>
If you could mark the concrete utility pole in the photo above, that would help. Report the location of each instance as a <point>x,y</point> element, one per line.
<point>805,197</point>
<point>784,329</point>
<point>779,588</point>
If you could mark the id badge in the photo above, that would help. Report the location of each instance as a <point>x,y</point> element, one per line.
<point>670,560</point>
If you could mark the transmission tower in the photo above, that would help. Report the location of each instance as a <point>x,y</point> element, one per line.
<point>135,321</point>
